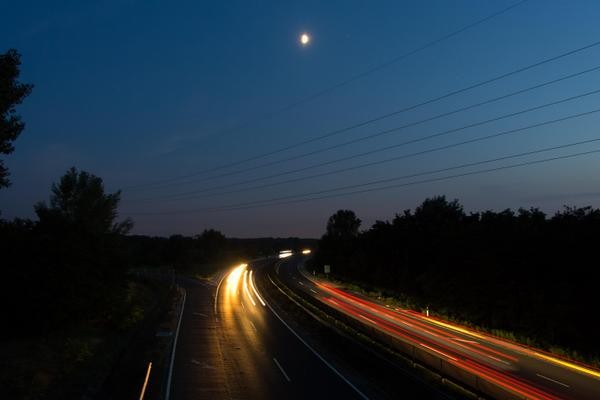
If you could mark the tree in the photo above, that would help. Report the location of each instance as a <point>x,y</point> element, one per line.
<point>81,266</point>
<point>12,93</point>
<point>343,224</point>
<point>79,201</point>
<point>437,213</point>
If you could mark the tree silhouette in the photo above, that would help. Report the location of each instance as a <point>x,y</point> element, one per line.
<point>79,201</point>
<point>518,271</point>
<point>12,93</point>
<point>343,224</point>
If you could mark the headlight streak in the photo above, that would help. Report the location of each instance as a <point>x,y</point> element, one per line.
<point>233,280</point>
<point>246,288</point>
<point>285,253</point>
<point>251,278</point>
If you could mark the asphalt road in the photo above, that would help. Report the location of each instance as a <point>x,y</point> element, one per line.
<point>238,349</point>
<point>523,371</point>
<point>234,345</point>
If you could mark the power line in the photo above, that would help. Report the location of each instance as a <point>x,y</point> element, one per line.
<point>397,145</point>
<point>277,201</point>
<point>166,181</point>
<point>371,70</point>
<point>387,160</point>
<point>249,205</point>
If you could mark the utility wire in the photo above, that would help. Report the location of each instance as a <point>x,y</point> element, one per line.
<point>244,205</point>
<point>368,72</point>
<point>278,200</point>
<point>387,160</point>
<point>394,146</point>
<point>166,181</point>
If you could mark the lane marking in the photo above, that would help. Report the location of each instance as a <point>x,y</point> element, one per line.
<point>217,295</point>
<point>553,380</point>
<point>170,376</point>
<point>146,381</point>
<point>319,356</point>
<point>253,326</point>
<point>281,369</point>
<point>314,291</point>
<point>301,283</point>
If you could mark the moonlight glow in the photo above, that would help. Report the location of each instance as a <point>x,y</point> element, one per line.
<point>304,39</point>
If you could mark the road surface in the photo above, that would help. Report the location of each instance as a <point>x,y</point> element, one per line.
<point>233,345</point>
<point>522,371</point>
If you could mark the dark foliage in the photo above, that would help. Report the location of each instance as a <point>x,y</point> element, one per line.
<point>518,271</point>
<point>12,93</point>
<point>68,265</point>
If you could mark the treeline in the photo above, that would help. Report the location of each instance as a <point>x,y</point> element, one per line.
<point>519,271</point>
<point>72,263</point>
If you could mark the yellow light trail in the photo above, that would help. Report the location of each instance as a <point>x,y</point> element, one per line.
<point>255,291</point>
<point>246,288</point>
<point>146,381</point>
<point>569,365</point>
<point>233,280</point>
<point>455,328</point>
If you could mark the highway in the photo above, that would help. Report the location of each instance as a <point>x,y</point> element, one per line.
<point>234,345</point>
<point>493,364</point>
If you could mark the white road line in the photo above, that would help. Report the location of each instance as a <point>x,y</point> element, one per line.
<point>281,369</point>
<point>170,376</point>
<point>253,326</point>
<point>553,380</point>
<point>320,357</point>
<point>217,295</point>
<point>301,283</point>
<point>314,291</point>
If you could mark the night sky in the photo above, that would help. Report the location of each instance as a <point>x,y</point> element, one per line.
<point>142,92</point>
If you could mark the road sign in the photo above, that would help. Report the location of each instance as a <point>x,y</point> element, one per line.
<point>327,268</point>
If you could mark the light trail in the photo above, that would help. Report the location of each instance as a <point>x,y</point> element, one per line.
<point>399,318</point>
<point>246,288</point>
<point>233,280</point>
<point>256,291</point>
<point>567,364</point>
<point>501,379</point>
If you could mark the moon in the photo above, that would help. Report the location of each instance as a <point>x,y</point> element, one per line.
<point>305,39</point>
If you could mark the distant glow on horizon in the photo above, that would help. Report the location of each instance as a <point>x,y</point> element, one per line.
<point>305,39</point>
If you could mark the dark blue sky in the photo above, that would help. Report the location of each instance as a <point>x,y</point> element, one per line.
<point>138,92</point>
